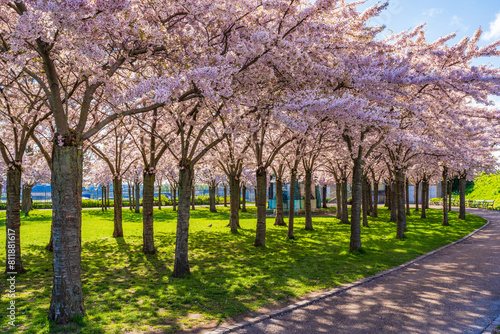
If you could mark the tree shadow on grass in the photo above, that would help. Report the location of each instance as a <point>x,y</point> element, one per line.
<point>124,288</point>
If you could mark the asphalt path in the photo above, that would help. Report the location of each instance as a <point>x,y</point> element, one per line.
<point>455,290</point>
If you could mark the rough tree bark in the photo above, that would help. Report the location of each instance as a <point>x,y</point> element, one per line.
<point>407,198</point>
<point>423,214</point>
<point>369,205</point>
<point>338,200</point>
<point>159,197</point>
<point>394,202</point>
<point>445,195</point>
<point>117,207</point>
<point>181,264</point>
<point>417,185</point>
<point>225,195</point>
<point>364,201</point>
<point>148,190</point>
<point>211,196</point>
<point>103,200</point>
<point>427,194</point>
<point>130,197</point>
<point>107,197</point>
<point>67,296</point>
<point>387,195</point>
<point>27,204</point>
<point>13,222</point>
<point>307,201</point>
<point>345,211</point>
<point>174,198</point>
<point>193,194</point>
<point>450,188</point>
<point>401,205</point>
<point>234,203</point>
<point>375,200</point>
<point>244,199</point>
<point>279,221</point>
<point>137,198</point>
<point>260,202</point>
<point>357,180</point>
<point>461,214</point>
<point>291,207</point>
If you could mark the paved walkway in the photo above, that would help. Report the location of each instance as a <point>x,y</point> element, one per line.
<point>456,290</point>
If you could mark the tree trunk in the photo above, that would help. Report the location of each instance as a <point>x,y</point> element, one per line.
<point>364,199</point>
<point>174,199</point>
<point>417,185</point>
<point>357,180</point>
<point>407,197</point>
<point>181,265</point>
<point>225,195</point>
<point>67,296</point>
<point>279,221</point>
<point>461,214</point>
<point>427,194</point>
<point>291,206</point>
<point>445,195</point>
<point>423,215</point>
<point>130,197</point>
<point>307,202</point>
<point>107,197</point>
<point>450,188</point>
<point>159,197</point>
<point>260,202</point>
<point>117,207</point>
<point>27,203</point>
<point>400,194</point>
<point>138,198</point>
<point>13,262</point>
<point>369,204</point>
<point>192,197</point>
<point>211,196</point>
<point>394,202</point>
<point>234,203</point>
<point>387,193</point>
<point>325,191</point>
<point>338,200</point>
<point>148,196</point>
<point>244,198</point>
<point>345,210</point>
<point>375,200</point>
<point>102,199</point>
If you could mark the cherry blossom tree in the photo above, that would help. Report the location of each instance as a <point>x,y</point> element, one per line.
<point>22,111</point>
<point>115,148</point>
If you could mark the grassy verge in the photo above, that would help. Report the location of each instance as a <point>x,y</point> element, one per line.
<point>126,290</point>
<point>486,187</point>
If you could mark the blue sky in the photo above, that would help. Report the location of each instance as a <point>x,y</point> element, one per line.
<point>443,17</point>
<point>463,17</point>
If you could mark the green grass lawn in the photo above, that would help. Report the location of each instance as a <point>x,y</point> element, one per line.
<point>486,187</point>
<point>126,290</point>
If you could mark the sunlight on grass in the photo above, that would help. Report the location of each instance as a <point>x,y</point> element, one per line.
<point>126,290</point>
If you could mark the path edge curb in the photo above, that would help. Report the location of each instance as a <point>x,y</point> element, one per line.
<point>338,290</point>
<point>493,325</point>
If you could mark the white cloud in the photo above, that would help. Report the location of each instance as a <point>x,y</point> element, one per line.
<point>433,12</point>
<point>459,22</point>
<point>494,31</point>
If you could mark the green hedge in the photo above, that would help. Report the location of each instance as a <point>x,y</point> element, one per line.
<point>93,203</point>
